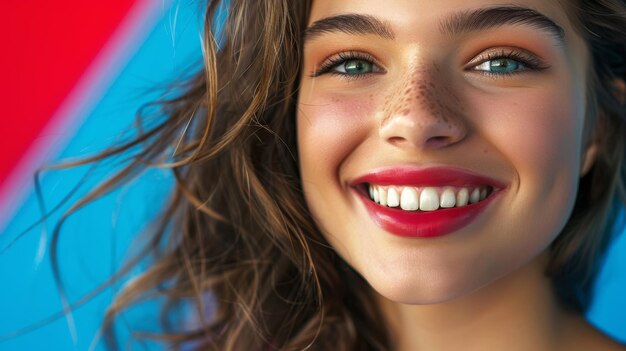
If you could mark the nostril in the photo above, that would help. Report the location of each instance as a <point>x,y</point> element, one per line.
<point>396,140</point>
<point>438,141</point>
<point>410,131</point>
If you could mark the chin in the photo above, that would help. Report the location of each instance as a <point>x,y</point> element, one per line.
<point>414,290</point>
<point>412,286</point>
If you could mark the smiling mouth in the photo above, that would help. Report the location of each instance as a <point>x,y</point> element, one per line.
<point>419,202</point>
<point>430,198</point>
<point>419,212</point>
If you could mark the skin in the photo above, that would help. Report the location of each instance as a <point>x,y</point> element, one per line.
<point>427,105</point>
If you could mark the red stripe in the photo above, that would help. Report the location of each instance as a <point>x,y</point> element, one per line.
<point>48,47</point>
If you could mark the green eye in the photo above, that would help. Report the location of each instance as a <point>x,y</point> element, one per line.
<point>349,65</point>
<point>501,65</point>
<point>355,67</point>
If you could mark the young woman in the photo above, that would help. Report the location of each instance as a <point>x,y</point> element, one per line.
<point>397,175</point>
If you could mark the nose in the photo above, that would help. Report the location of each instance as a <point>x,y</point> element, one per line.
<point>424,114</point>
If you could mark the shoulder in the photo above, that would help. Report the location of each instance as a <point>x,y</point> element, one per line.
<point>604,343</point>
<point>584,336</point>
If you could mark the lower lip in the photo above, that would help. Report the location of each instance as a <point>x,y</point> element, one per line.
<point>424,224</point>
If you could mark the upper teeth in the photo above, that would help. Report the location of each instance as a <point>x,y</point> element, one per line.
<point>426,198</point>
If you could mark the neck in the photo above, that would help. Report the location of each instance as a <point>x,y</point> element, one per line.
<point>517,312</point>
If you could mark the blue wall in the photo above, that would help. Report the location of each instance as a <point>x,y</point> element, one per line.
<point>94,241</point>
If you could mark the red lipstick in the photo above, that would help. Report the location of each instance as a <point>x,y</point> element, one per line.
<point>425,224</point>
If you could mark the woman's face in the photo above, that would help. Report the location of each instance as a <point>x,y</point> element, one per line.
<point>416,104</point>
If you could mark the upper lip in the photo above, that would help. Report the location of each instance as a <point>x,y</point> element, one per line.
<point>431,176</point>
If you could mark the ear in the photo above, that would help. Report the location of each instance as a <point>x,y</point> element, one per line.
<point>591,153</point>
<point>589,158</point>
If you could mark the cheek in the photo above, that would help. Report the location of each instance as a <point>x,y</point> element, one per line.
<point>538,133</point>
<point>330,128</point>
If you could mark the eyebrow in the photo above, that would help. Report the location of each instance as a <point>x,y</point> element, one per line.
<point>458,23</point>
<point>349,24</point>
<point>492,17</point>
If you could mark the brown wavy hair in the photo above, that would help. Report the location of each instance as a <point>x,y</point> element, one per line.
<point>236,239</point>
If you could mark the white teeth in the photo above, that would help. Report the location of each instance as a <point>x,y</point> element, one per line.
<point>429,199</point>
<point>462,197</point>
<point>447,198</point>
<point>483,193</point>
<point>382,196</point>
<point>475,196</point>
<point>408,199</point>
<point>392,198</point>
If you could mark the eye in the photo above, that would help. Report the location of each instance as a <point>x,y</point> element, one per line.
<point>355,67</point>
<point>508,62</point>
<point>349,64</point>
<point>502,65</point>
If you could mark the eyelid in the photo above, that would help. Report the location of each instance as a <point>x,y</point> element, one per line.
<point>338,58</point>
<point>531,61</point>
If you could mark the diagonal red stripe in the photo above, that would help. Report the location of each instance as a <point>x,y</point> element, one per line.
<point>48,46</point>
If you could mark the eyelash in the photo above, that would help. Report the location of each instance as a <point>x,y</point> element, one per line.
<point>529,63</point>
<point>337,59</point>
